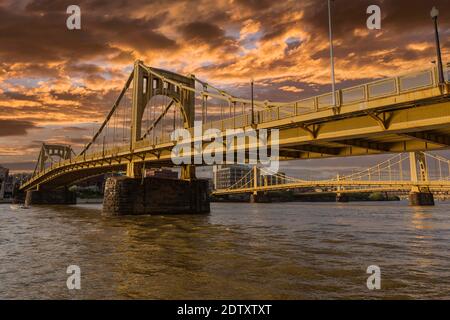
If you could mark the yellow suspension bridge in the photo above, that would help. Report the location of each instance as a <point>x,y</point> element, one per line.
<point>407,113</point>
<point>396,174</point>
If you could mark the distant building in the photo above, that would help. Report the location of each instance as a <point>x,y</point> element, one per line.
<point>228,175</point>
<point>4,172</point>
<point>10,183</point>
<point>161,173</point>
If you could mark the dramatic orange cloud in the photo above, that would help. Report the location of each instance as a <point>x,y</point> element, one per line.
<point>53,78</point>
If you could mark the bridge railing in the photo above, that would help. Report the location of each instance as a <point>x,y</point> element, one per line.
<point>361,93</point>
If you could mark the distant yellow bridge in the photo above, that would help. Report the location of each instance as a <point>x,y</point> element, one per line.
<point>387,176</point>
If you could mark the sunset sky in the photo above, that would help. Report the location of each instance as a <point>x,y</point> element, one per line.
<point>55,82</point>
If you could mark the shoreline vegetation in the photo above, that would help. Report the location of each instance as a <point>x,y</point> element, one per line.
<point>309,197</point>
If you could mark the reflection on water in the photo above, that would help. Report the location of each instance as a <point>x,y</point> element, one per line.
<point>246,251</point>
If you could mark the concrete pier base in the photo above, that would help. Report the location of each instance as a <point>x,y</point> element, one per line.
<point>152,195</point>
<point>18,196</point>
<point>49,197</point>
<point>341,197</point>
<point>259,198</point>
<point>421,199</point>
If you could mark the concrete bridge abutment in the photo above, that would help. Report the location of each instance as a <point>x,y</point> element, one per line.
<point>153,195</point>
<point>342,197</point>
<point>260,197</point>
<point>18,195</point>
<point>421,199</point>
<point>50,197</point>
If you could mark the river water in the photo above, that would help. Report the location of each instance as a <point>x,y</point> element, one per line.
<point>240,251</point>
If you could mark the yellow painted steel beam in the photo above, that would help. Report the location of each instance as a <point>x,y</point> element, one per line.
<point>442,140</point>
<point>351,186</point>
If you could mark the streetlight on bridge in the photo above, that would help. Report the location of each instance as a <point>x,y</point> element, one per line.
<point>333,80</point>
<point>434,15</point>
<point>253,103</point>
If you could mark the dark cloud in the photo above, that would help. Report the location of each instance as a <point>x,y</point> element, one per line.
<point>15,127</point>
<point>79,141</point>
<point>255,5</point>
<point>139,34</point>
<point>203,31</point>
<point>40,35</point>
<point>210,34</point>
<point>399,17</point>
<point>73,129</point>
<point>20,166</point>
<point>83,68</point>
<point>44,38</point>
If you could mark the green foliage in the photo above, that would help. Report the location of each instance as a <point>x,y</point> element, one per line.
<point>381,196</point>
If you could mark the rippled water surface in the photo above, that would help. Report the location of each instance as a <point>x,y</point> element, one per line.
<point>242,251</point>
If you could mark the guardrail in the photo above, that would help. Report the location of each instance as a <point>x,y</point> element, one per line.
<point>361,93</point>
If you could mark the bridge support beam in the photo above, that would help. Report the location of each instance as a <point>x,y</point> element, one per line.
<point>188,172</point>
<point>134,170</point>
<point>49,197</point>
<point>151,195</point>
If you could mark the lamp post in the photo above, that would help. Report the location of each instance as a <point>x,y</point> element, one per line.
<point>333,80</point>
<point>434,15</point>
<point>253,104</point>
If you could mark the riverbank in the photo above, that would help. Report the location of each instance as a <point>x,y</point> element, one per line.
<point>89,200</point>
<point>309,197</point>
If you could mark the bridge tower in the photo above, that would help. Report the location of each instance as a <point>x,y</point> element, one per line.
<point>261,196</point>
<point>146,86</point>
<point>48,194</point>
<point>419,196</point>
<point>340,197</point>
<point>136,194</point>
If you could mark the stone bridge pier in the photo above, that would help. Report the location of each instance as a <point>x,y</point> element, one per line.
<point>260,197</point>
<point>153,195</point>
<point>44,196</point>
